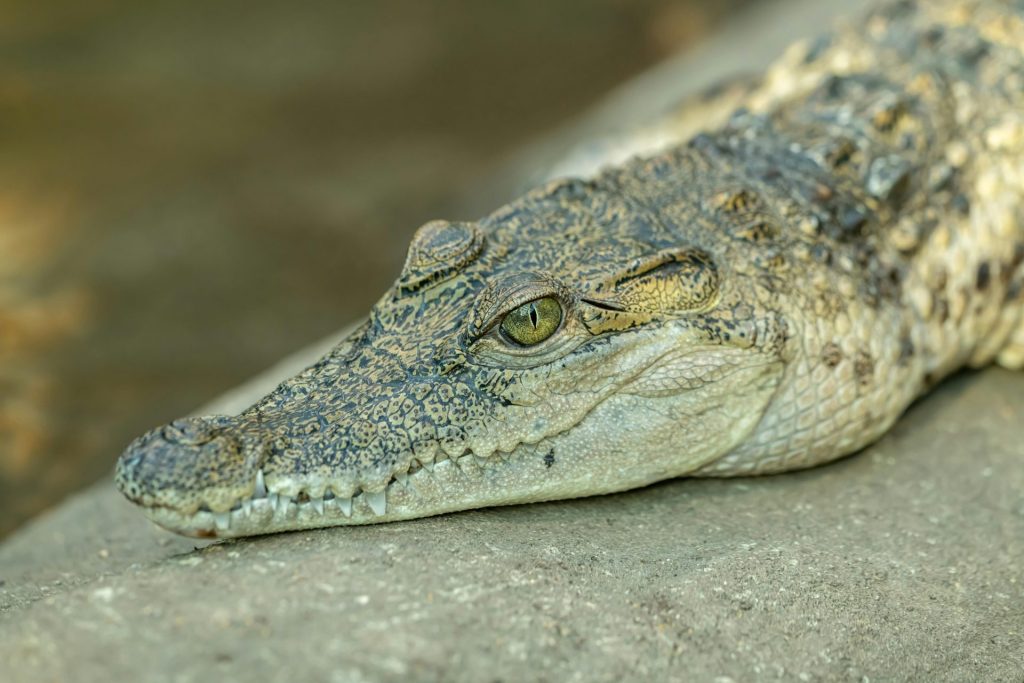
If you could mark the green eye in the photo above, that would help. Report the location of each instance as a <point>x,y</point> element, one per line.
<point>533,322</point>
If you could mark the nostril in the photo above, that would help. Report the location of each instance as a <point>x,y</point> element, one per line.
<point>194,431</point>
<point>189,461</point>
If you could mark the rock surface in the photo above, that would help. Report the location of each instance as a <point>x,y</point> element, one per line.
<point>905,562</point>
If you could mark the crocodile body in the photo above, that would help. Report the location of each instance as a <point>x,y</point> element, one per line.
<point>768,295</point>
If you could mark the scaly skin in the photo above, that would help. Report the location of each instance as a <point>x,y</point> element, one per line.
<point>767,296</point>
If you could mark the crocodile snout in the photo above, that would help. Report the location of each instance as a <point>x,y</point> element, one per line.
<point>192,463</point>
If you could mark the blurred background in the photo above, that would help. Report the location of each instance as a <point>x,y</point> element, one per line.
<point>191,190</point>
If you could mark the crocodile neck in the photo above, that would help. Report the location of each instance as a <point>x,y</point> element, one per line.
<point>901,157</point>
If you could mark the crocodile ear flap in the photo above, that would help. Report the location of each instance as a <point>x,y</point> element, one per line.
<point>667,283</point>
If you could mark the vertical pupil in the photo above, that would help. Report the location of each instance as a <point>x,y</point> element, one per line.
<point>533,315</point>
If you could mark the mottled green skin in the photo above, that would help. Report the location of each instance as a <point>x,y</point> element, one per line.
<point>752,300</point>
<point>429,369</point>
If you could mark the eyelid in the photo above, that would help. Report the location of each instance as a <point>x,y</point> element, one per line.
<point>509,298</point>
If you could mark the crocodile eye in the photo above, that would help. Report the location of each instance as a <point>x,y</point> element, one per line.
<point>533,322</point>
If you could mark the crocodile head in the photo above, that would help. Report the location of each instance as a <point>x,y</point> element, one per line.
<point>575,342</point>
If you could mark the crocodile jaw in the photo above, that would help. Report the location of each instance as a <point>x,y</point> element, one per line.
<point>625,442</point>
<point>468,482</point>
<point>465,483</point>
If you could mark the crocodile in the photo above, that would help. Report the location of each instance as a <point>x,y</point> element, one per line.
<point>767,294</point>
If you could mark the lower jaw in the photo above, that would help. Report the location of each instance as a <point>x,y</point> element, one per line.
<point>467,483</point>
<point>265,516</point>
<point>588,460</point>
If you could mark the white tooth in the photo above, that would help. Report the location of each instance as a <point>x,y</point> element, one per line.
<point>345,505</point>
<point>261,486</point>
<point>247,507</point>
<point>273,498</point>
<point>378,502</point>
<point>402,477</point>
<point>318,505</point>
<point>428,466</point>
<point>223,520</point>
<point>203,520</point>
<point>262,510</point>
<point>284,508</point>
